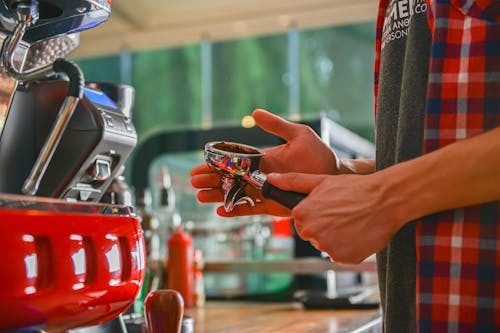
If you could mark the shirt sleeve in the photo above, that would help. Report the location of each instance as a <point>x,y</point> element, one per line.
<point>485,9</point>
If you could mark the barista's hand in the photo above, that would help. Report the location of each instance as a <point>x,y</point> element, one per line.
<point>347,216</point>
<point>303,152</point>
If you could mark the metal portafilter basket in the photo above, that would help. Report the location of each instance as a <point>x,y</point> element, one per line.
<point>238,165</point>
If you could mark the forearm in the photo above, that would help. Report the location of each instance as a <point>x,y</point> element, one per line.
<point>360,167</point>
<point>461,174</point>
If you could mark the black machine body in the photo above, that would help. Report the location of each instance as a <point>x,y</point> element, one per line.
<point>98,140</point>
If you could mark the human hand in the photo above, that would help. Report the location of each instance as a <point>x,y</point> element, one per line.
<point>303,151</point>
<point>349,217</point>
<point>209,182</point>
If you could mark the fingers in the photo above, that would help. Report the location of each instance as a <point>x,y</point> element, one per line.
<point>201,169</point>
<point>209,182</point>
<point>206,181</point>
<point>210,196</point>
<point>275,124</point>
<point>242,210</point>
<point>204,177</point>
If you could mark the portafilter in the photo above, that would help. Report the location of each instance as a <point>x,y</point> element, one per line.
<point>238,165</point>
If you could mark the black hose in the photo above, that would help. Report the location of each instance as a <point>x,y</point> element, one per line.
<point>75,75</point>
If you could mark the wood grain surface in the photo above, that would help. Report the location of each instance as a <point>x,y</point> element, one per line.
<point>247,317</point>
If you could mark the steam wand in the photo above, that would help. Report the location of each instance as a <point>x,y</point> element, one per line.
<point>27,14</point>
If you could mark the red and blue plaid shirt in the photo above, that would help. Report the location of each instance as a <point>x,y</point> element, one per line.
<point>458,251</point>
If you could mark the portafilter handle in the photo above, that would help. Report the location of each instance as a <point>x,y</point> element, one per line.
<point>163,311</point>
<point>288,199</point>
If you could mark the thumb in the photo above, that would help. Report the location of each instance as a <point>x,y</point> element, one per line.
<point>296,182</point>
<point>275,125</point>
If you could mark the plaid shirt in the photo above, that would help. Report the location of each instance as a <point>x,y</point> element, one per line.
<point>458,251</point>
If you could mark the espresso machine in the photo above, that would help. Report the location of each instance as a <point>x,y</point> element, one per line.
<point>67,260</point>
<point>59,138</point>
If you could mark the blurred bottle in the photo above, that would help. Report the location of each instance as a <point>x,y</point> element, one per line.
<point>155,270</point>
<point>168,216</point>
<point>180,265</point>
<point>119,191</point>
<point>281,243</point>
<point>150,225</point>
<point>199,284</point>
<point>280,246</point>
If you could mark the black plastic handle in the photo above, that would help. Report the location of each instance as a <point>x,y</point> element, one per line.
<point>288,199</point>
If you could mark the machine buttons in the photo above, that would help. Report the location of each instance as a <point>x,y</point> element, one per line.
<point>129,127</point>
<point>81,192</point>
<point>109,121</point>
<point>101,170</point>
<point>84,195</point>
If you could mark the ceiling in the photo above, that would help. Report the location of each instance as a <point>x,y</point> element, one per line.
<point>148,24</point>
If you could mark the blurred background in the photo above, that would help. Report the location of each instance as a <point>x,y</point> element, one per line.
<point>198,63</point>
<point>199,66</point>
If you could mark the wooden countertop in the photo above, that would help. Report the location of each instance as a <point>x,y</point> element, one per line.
<point>246,317</point>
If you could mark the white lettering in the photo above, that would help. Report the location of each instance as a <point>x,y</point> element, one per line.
<point>411,6</point>
<point>421,8</point>
<point>403,8</point>
<point>394,13</point>
<point>398,18</point>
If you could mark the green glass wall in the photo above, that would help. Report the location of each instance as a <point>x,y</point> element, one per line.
<point>168,90</point>
<point>104,69</point>
<point>336,75</point>
<point>248,74</point>
<point>335,71</point>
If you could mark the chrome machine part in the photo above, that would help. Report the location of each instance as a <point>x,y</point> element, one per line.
<point>74,94</point>
<point>30,58</point>
<point>21,202</point>
<point>33,181</point>
<point>26,24</point>
<point>238,165</point>
<point>27,15</point>
<point>55,17</point>
<point>26,10</point>
<point>9,49</point>
<point>8,87</point>
<point>26,19</point>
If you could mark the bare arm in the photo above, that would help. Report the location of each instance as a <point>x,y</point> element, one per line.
<point>461,174</point>
<point>353,216</point>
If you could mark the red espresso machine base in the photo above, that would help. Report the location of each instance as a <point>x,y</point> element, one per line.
<point>65,265</point>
